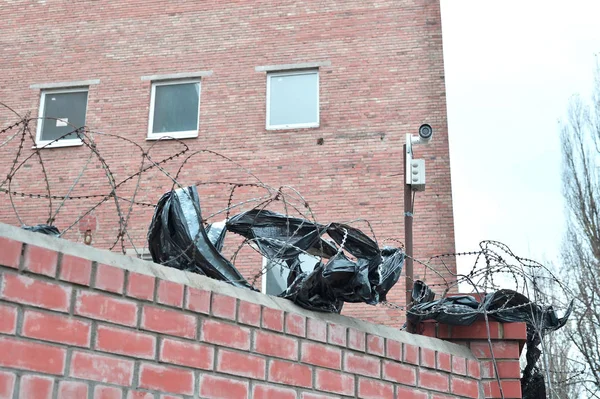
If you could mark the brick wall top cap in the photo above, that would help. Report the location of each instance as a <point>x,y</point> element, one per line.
<point>205,283</point>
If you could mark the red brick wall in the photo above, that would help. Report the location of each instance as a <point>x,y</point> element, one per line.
<point>77,323</point>
<point>386,78</point>
<point>499,356</point>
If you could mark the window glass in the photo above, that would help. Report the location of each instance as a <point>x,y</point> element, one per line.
<point>176,108</point>
<point>277,273</point>
<point>70,110</point>
<point>293,99</point>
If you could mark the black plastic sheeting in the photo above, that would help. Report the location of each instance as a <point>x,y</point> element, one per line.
<point>43,229</point>
<point>505,306</point>
<point>367,279</point>
<point>177,238</point>
<point>341,280</point>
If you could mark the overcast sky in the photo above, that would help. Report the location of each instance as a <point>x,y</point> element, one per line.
<point>511,68</point>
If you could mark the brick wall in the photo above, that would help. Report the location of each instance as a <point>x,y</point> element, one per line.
<point>77,322</point>
<point>386,78</point>
<point>500,367</point>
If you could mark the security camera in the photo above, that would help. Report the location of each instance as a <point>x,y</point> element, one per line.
<point>425,133</point>
<point>416,179</point>
<point>424,137</point>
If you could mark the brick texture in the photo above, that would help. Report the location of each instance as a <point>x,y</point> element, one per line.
<point>373,389</point>
<point>276,345</point>
<point>168,321</point>
<point>10,255</point>
<point>124,346</point>
<point>106,308</point>
<point>385,79</point>
<point>505,343</point>
<point>166,379</point>
<point>198,300</point>
<point>170,293</point>
<point>241,364</point>
<point>272,319</point>
<point>106,392</point>
<point>72,390</point>
<point>109,278</point>
<point>321,355</point>
<point>224,334</point>
<point>57,328</point>
<point>8,319</point>
<point>101,368</point>
<point>140,286</point>
<point>185,353</point>
<point>213,386</point>
<point>76,270</point>
<point>40,260</point>
<point>7,384</point>
<point>249,313</point>
<point>30,291</point>
<point>290,373</point>
<point>34,386</point>
<point>125,342</point>
<point>32,356</point>
<point>260,391</point>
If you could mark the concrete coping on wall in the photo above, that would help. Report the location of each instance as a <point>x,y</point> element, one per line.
<point>202,282</point>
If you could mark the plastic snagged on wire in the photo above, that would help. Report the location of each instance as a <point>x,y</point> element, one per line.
<point>177,238</point>
<point>503,305</point>
<point>43,229</point>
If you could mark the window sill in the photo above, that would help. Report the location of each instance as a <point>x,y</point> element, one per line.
<point>294,127</point>
<point>42,145</point>
<point>172,136</point>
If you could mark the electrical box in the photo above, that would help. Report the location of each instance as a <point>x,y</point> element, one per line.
<point>417,174</point>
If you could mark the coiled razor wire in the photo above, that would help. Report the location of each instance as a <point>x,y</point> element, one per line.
<point>492,267</point>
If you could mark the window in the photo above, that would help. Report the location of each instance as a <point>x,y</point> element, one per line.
<point>293,99</point>
<point>274,280</point>
<point>61,112</point>
<point>174,109</point>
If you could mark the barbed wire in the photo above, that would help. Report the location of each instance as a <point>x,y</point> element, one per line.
<point>492,267</point>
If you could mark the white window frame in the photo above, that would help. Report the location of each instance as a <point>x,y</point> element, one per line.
<point>187,134</point>
<point>271,75</point>
<point>63,142</point>
<point>263,288</point>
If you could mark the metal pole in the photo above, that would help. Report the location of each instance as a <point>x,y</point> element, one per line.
<point>408,238</point>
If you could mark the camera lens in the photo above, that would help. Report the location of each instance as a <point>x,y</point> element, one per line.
<point>425,131</point>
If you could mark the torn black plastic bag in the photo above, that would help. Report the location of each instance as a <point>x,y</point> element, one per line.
<point>421,292</point>
<point>176,238</point>
<point>279,237</point>
<point>311,291</point>
<point>43,229</point>
<point>502,305</point>
<point>341,280</point>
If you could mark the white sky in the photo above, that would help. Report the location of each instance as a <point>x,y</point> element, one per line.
<point>511,68</point>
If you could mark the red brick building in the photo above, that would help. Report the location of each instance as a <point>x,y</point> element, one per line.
<point>219,76</point>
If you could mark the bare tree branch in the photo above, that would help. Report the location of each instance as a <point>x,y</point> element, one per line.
<point>580,137</point>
